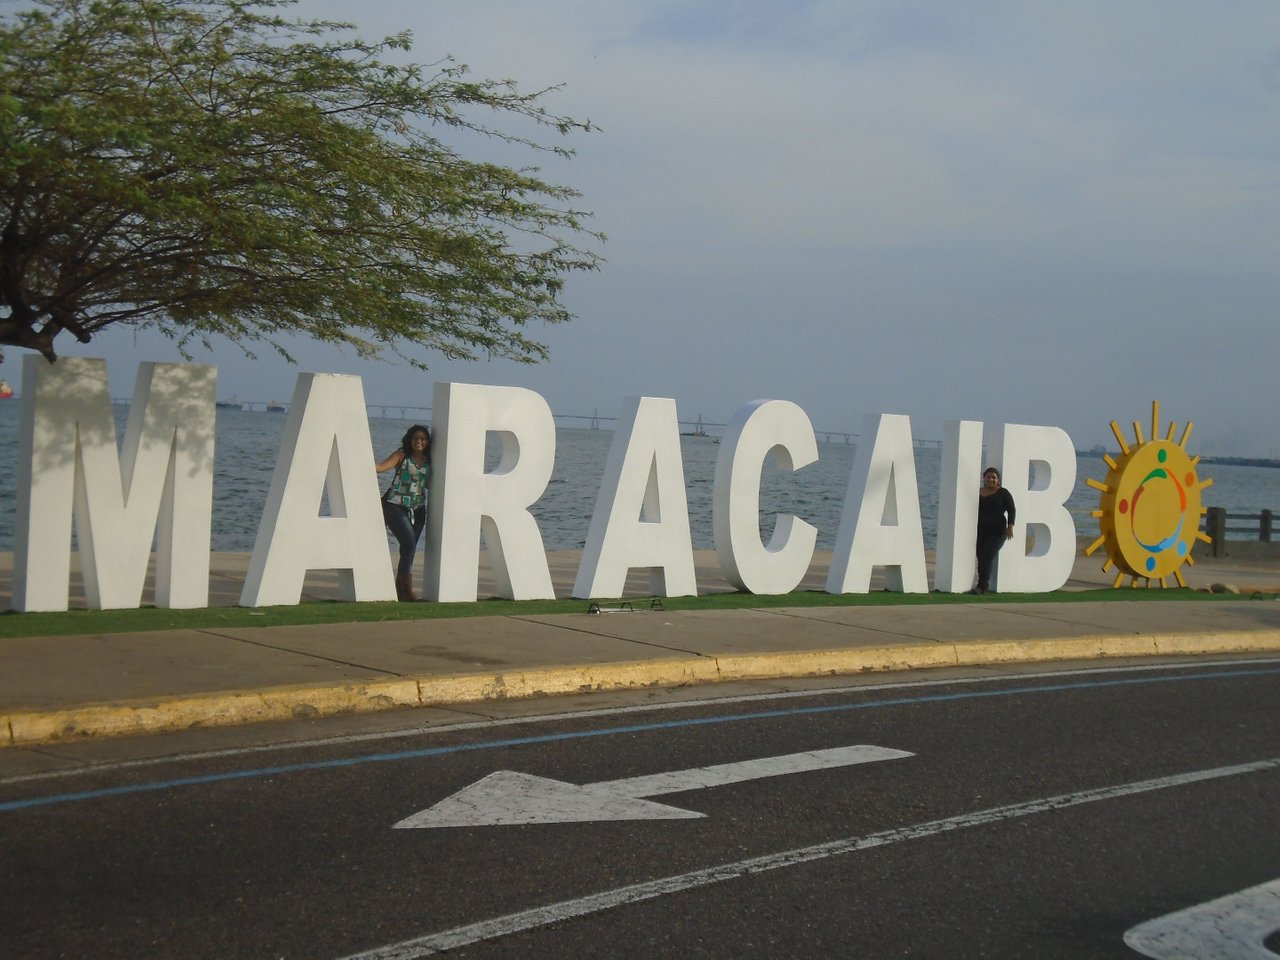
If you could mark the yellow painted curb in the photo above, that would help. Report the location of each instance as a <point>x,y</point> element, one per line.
<point>1258,641</point>
<point>817,663</point>
<point>210,710</point>
<point>981,652</point>
<point>549,681</point>
<point>283,703</point>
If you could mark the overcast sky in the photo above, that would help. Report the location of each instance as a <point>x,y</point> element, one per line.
<point>1034,212</point>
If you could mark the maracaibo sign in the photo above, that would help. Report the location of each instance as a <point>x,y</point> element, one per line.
<point>158,488</point>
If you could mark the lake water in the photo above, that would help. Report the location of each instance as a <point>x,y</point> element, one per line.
<point>247,443</point>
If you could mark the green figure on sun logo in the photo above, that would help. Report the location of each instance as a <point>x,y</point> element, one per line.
<point>1150,507</point>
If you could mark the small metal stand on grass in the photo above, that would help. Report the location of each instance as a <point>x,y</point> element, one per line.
<point>623,606</point>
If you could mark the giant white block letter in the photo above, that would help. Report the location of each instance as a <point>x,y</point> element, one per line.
<point>162,485</point>
<point>956,559</point>
<point>466,502</point>
<point>880,523</point>
<point>1038,467</point>
<point>758,430</point>
<point>641,517</point>
<point>326,450</point>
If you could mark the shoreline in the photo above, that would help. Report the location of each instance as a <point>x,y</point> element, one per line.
<point>1254,567</point>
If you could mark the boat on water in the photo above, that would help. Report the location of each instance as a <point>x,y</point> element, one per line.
<point>232,404</point>
<point>6,391</point>
<point>697,431</point>
<point>275,406</point>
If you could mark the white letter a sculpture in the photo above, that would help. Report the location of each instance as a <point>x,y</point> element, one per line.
<point>326,451</point>
<point>642,513</point>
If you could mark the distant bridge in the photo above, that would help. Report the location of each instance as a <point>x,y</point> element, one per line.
<point>688,428</point>
<point>593,421</point>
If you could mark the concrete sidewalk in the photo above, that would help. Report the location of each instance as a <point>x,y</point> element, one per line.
<point>67,688</point>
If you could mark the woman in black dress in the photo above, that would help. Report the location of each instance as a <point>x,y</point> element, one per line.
<point>995,525</point>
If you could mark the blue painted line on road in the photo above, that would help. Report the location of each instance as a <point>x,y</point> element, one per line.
<point>424,752</point>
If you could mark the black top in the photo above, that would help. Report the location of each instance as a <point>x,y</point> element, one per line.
<point>992,510</point>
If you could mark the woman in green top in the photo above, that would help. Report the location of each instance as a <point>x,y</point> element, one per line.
<point>404,505</point>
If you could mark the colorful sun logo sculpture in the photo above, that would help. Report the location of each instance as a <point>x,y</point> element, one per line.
<point>1149,510</point>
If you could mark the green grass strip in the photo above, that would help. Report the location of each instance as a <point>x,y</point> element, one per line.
<point>148,619</point>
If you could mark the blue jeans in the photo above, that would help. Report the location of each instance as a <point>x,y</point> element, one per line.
<point>406,528</point>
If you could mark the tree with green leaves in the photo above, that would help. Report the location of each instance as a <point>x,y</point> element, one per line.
<point>210,168</point>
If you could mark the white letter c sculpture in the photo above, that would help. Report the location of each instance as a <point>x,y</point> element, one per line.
<point>761,429</point>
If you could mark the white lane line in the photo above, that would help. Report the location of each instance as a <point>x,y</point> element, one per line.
<point>491,723</point>
<point>553,913</point>
<point>1233,927</point>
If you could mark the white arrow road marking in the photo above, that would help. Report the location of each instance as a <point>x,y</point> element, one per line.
<point>506,797</point>
<point>1229,928</point>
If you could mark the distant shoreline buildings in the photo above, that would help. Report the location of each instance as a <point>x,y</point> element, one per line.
<point>1242,461</point>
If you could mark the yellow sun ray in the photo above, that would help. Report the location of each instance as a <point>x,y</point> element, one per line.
<point>1119,435</point>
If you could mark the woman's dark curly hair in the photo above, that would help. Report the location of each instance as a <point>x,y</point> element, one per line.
<point>406,442</point>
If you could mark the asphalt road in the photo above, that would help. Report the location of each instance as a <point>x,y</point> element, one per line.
<point>1039,813</point>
